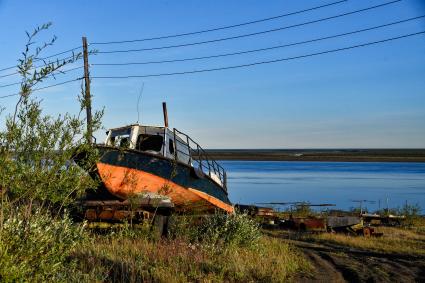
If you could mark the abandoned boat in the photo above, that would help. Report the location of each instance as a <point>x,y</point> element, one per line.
<point>138,159</point>
<point>145,173</point>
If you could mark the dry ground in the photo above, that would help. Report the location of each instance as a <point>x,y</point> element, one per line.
<point>398,256</point>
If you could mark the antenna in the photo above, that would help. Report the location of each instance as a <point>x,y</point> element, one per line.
<point>138,101</point>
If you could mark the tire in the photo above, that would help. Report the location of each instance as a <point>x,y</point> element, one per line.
<point>160,224</point>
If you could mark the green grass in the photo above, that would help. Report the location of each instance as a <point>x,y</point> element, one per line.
<point>132,259</point>
<point>394,240</point>
<point>220,248</point>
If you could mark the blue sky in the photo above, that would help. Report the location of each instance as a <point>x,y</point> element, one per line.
<point>363,98</point>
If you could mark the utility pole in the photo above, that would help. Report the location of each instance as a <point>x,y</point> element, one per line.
<point>87,91</point>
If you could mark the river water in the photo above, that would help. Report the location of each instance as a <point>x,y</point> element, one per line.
<point>340,183</point>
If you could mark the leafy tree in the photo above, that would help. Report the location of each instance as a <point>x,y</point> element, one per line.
<point>36,150</point>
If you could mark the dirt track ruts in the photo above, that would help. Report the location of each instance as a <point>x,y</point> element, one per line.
<point>338,264</point>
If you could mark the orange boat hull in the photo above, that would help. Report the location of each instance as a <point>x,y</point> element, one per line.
<point>125,182</point>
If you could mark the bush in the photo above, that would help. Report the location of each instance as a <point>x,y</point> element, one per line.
<point>411,212</point>
<point>37,248</point>
<point>218,230</point>
<point>183,227</point>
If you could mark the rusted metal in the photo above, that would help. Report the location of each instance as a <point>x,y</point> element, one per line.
<point>131,210</point>
<point>136,202</point>
<point>305,224</point>
<point>115,214</point>
<point>367,231</point>
<point>254,210</point>
<point>343,221</point>
<point>387,220</point>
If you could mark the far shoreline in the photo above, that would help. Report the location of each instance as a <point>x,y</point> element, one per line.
<point>325,155</point>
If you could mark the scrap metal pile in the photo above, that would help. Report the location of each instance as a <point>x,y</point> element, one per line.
<point>332,222</point>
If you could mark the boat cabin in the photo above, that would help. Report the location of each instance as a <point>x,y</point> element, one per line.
<point>150,139</point>
<point>171,144</point>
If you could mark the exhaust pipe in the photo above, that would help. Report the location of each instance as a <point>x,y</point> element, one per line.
<point>164,110</point>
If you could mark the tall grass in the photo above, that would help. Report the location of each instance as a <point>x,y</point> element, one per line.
<point>217,248</point>
<point>394,240</point>
<point>42,248</point>
<point>139,260</point>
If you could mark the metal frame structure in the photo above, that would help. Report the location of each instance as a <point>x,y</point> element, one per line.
<point>198,156</point>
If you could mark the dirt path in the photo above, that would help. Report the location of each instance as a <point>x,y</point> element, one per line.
<point>334,263</point>
<point>323,270</point>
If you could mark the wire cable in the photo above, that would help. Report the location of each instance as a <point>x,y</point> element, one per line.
<point>40,59</point>
<point>41,88</point>
<point>8,75</point>
<point>40,66</point>
<point>7,68</point>
<point>249,34</point>
<point>59,72</point>
<point>261,49</point>
<point>233,67</point>
<point>220,28</point>
<point>17,83</point>
<point>60,53</point>
<point>262,62</point>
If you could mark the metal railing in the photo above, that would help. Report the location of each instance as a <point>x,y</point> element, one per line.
<point>197,157</point>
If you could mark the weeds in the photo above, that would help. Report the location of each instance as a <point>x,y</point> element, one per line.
<point>217,230</point>
<point>37,248</point>
<point>121,259</point>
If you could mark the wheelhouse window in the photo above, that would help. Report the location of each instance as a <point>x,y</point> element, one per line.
<point>149,142</point>
<point>125,142</point>
<point>120,138</point>
<point>171,146</point>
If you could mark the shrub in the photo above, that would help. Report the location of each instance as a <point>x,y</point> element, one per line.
<point>411,212</point>
<point>218,230</point>
<point>183,227</point>
<point>229,229</point>
<point>37,248</point>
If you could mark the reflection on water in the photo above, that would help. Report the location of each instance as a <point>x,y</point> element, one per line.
<point>251,182</point>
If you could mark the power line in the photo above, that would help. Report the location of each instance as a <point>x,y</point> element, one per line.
<point>184,34</point>
<point>40,66</point>
<point>232,67</point>
<point>249,34</point>
<point>17,83</point>
<point>221,28</point>
<point>41,88</point>
<point>7,68</point>
<point>204,31</point>
<point>39,59</point>
<point>8,75</point>
<point>261,49</point>
<point>260,63</point>
<point>60,53</point>
<point>59,72</point>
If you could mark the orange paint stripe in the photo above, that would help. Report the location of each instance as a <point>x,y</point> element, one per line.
<point>213,200</point>
<point>124,182</point>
